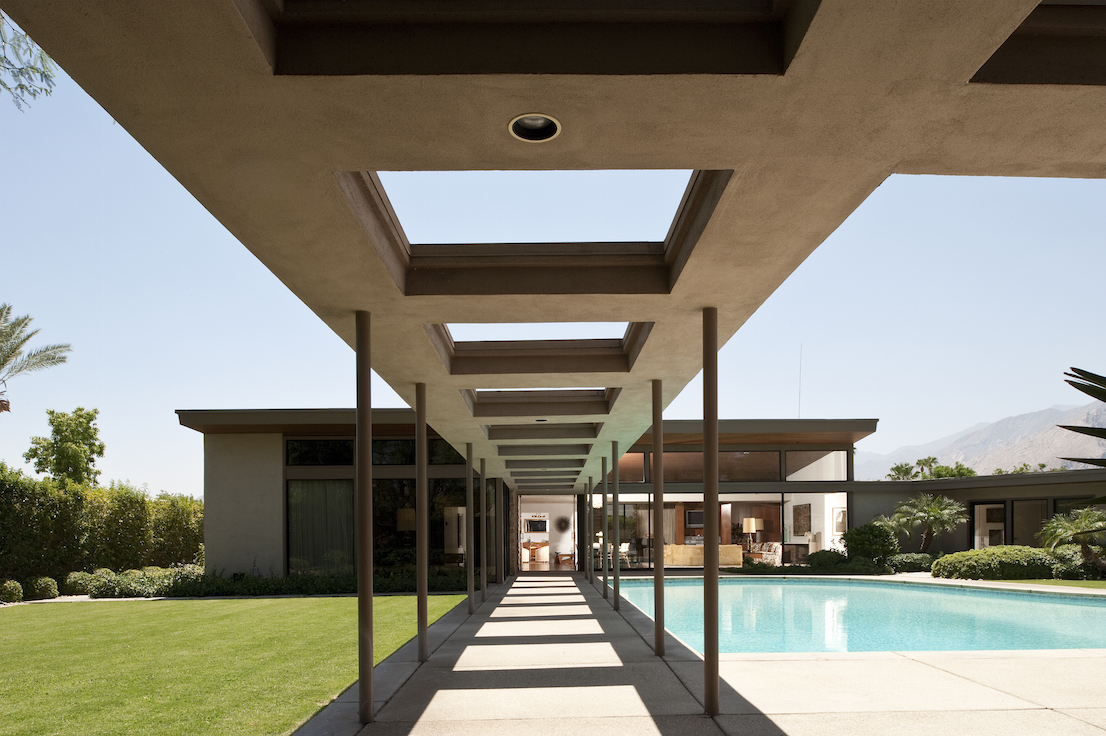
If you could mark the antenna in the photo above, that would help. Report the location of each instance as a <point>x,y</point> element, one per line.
<point>800,413</point>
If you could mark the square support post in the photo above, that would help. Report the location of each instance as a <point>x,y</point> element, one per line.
<point>363,532</point>
<point>422,516</point>
<point>483,532</point>
<point>589,525</point>
<point>617,522</point>
<point>658,519</point>
<point>605,543</point>
<point>710,510</point>
<point>470,531</point>
<point>500,519</point>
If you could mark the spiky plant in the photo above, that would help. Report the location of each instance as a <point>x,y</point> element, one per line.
<point>935,514</point>
<point>1085,527</point>
<point>1094,386</point>
<point>14,337</point>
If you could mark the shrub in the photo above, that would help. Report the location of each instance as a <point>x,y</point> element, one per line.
<point>118,526</point>
<point>1007,562</point>
<point>824,559</point>
<point>911,562</point>
<point>871,541</point>
<point>1069,564</point>
<point>10,591</point>
<point>76,583</point>
<point>40,589</point>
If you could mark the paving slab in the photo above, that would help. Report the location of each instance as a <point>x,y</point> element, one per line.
<point>1092,716</point>
<point>1069,682</point>
<point>1036,722</point>
<point>698,725</point>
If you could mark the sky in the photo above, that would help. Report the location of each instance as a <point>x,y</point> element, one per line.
<point>940,303</point>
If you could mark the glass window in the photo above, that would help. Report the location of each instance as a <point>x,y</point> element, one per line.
<point>318,452</point>
<point>733,467</point>
<point>442,453</point>
<point>393,452</point>
<point>813,465</point>
<point>320,526</point>
<point>1029,517</point>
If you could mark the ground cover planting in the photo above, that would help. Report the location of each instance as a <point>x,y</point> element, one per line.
<point>182,667</point>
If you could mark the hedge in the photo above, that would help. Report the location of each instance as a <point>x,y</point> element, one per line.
<point>911,562</point>
<point>1006,562</point>
<point>10,591</point>
<point>51,528</point>
<point>40,589</point>
<point>871,541</point>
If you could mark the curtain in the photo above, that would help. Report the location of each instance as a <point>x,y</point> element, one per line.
<point>670,526</point>
<point>320,526</point>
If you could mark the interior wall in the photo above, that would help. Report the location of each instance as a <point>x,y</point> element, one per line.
<point>555,507</point>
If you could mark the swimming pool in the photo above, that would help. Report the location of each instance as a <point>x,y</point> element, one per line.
<point>803,615</point>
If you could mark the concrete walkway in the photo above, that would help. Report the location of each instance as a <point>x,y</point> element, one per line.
<point>547,654</point>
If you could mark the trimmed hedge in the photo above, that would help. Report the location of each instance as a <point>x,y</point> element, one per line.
<point>855,566</point>
<point>1006,562</point>
<point>54,527</point>
<point>911,562</point>
<point>826,558</point>
<point>40,589</point>
<point>10,591</point>
<point>76,583</point>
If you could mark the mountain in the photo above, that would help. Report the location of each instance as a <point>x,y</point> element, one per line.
<point>1027,438</point>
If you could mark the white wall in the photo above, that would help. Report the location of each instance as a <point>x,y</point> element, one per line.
<point>244,503</point>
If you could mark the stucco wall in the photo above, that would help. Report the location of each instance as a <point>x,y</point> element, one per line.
<point>244,500</point>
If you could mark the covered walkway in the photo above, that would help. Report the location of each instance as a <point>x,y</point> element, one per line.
<point>547,654</point>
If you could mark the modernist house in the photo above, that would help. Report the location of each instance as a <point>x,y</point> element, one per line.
<point>277,115</point>
<point>279,496</point>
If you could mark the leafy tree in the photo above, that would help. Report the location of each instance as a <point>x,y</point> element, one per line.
<point>72,448</point>
<point>25,70</point>
<point>935,514</point>
<point>1083,527</point>
<point>902,471</point>
<point>13,362</point>
<point>925,465</point>
<point>873,541</point>
<point>960,470</point>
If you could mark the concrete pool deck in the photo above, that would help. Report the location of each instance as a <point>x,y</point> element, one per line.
<point>547,653</point>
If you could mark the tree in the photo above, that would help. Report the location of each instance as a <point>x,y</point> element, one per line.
<point>902,471</point>
<point>935,514</point>
<point>25,70</point>
<point>72,448</point>
<point>13,338</point>
<point>960,470</point>
<point>1094,386</point>
<point>925,465</point>
<point>1083,527</point>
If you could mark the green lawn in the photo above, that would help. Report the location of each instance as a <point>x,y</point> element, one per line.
<point>179,667</point>
<point>1076,583</point>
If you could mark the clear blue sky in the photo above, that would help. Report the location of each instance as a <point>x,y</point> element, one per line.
<point>940,303</point>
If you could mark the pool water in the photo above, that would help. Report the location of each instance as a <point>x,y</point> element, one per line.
<point>797,615</point>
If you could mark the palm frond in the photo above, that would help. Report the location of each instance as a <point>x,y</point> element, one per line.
<point>1092,390</point>
<point>1088,376</point>
<point>46,356</point>
<point>1100,462</point>
<point>1099,432</point>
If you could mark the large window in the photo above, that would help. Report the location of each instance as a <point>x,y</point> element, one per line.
<point>320,526</point>
<point>733,467</point>
<point>338,452</point>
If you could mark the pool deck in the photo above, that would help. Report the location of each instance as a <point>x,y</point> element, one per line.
<point>548,654</point>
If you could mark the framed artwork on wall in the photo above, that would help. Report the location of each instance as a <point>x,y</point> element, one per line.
<point>840,521</point>
<point>801,516</point>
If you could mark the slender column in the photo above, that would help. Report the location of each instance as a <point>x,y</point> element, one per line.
<point>483,532</point>
<point>590,523</point>
<point>422,516</point>
<point>363,532</point>
<point>617,530</point>
<point>710,510</point>
<point>500,516</point>
<point>606,542</point>
<point>470,531</point>
<point>658,520</point>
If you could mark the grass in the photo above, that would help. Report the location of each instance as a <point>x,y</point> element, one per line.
<point>1101,584</point>
<point>181,667</point>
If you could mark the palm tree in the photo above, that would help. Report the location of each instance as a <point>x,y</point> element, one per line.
<point>902,471</point>
<point>926,466</point>
<point>13,361</point>
<point>937,514</point>
<point>1083,527</point>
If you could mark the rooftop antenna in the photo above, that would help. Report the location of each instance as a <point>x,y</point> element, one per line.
<point>800,413</point>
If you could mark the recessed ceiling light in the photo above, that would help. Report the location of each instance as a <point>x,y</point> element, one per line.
<point>534,127</point>
<point>541,420</point>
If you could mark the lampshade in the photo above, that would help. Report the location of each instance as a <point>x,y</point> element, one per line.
<point>750,525</point>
